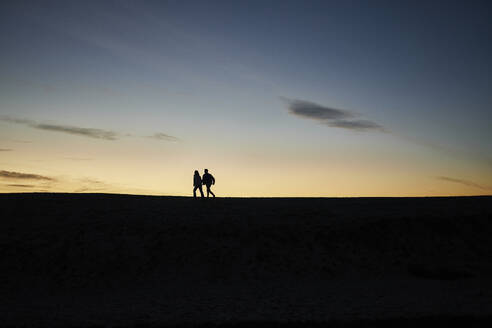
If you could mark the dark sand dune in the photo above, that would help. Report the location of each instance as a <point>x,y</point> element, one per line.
<point>109,260</point>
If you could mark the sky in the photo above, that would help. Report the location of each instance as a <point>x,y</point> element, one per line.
<point>275,98</point>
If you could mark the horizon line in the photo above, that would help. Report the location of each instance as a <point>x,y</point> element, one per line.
<point>236,197</point>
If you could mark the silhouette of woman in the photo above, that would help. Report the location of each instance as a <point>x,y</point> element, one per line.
<point>197,183</point>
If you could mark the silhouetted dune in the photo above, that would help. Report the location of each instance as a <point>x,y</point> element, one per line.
<point>98,259</point>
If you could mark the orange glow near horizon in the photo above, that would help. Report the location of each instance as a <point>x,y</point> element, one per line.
<point>141,166</point>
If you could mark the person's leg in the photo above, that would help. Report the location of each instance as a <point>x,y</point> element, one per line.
<point>194,192</point>
<point>210,190</point>
<point>201,191</point>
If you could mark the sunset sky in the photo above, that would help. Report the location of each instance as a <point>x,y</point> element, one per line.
<point>275,98</point>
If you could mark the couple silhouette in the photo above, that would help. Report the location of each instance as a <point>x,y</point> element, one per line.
<point>207,180</point>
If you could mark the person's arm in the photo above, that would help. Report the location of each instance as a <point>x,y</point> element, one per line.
<point>213,179</point>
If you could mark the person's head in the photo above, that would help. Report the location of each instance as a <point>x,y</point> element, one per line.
<point>196,172</point>
<point>206,171</point>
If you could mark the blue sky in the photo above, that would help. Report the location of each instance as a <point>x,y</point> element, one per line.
<point>220,75</point>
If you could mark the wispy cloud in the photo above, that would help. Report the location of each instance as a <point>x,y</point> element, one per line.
<point>24,176</point>
<point>86,132</point>
<point>20,185</point>
<point>344,119</point>
<point>5,149</point>
<point>81,131</point>
<point>163,136</point>
<point>10,119</point>
<point>464,182</point>
<point>358,125</point>
<point>91,181</point>
<point>307,109</point>
<point>92,185</point>
<point>333,117</point>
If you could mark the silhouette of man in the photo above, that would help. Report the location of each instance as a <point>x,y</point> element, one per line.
<point>208,180</point>
<point>197,184</point>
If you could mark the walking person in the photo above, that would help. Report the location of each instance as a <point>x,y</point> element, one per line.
<point>197,184</point>
<point>208,180</point>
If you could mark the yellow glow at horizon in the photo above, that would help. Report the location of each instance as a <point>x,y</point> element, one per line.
<point>138,165</point>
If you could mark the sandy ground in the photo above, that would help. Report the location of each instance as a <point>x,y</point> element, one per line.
<point>119,260</point>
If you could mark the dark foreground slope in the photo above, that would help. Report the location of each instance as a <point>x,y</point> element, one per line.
<point>95,259</point>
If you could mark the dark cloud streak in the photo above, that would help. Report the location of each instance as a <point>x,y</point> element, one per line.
<point>5,149</point>
<point>76,130</point>
<point>307,109</point>
<point>86,132</point>
<point>26,176</point>
<point>332,117</point>
<point>464,182</point>
<point>20,185</point>
<point>163,136</point>
<point>357,125</point>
